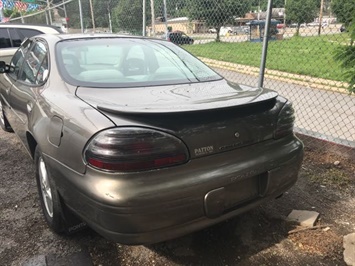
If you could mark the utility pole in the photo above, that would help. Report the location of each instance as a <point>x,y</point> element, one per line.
<point>144,18</point>
<point>49,12</point>
<point>65,10</point>
<point>109,16</point>
<point>81,16</point>
<point>153,17</point>
<point>320,17</point>
<point>92,16</point>
<point>165,20</point>
<point>285,15</point>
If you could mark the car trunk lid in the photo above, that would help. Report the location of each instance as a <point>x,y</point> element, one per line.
<point>210,117</point>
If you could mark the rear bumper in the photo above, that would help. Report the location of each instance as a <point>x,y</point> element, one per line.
<point>142,208</point>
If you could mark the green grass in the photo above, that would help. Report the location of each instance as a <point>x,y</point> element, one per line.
<point>312,56</point>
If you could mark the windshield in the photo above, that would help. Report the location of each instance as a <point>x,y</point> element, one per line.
<point>128,62</point>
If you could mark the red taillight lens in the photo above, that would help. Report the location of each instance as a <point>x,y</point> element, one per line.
<point>285,121</point>
<point>134,149</point>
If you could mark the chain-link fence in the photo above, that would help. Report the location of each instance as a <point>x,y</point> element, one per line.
<point>304,38</point>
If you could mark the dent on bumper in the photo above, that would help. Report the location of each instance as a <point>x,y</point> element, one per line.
<point>164,204</point>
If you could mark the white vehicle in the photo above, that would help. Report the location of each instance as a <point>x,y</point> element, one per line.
<point>12,35</point>
<point>224,31</point>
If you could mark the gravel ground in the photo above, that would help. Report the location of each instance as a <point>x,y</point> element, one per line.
<point>259,237</point>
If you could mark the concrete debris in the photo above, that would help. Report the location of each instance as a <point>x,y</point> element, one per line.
<point>349,249</point>
<point>303,218</point>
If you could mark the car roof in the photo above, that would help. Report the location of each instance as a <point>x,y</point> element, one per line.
<point>40,27</point>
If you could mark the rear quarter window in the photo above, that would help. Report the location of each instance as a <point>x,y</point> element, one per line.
<point>5,41</point>
<point>15,37</point>
<point>28,33</point>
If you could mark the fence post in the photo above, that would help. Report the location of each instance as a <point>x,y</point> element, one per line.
<point>144,18</point>
<point>81,16</point>
<point>265,44</point>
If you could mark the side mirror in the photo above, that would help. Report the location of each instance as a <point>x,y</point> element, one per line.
<point>4,68</point>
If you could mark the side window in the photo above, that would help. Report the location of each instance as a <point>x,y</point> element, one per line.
<point>28,33</point>
<point>42,55</point>
<point>4,39</point>
<point>35,67</point>
<point>19,58</point>
<point>15,37</point>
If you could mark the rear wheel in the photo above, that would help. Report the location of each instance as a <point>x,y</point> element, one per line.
<point>4,124</point>
<point>58,216</point>
<point>49,198</point>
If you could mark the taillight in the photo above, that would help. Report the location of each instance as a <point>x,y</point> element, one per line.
<point>285,121</point>
<point>134,149</point>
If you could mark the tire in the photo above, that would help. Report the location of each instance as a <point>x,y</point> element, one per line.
<point>4,124</point>
<point>48,195</point>
<point>59,218</point>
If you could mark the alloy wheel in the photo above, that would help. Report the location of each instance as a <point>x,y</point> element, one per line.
<point>2,117</point>
<point>45,187</point>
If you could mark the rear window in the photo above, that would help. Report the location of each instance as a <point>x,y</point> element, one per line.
<point>126,62</point>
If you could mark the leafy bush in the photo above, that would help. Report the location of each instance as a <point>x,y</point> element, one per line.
<point>346,56</point>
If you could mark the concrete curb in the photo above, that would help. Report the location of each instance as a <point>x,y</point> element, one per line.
<point>303,80</point>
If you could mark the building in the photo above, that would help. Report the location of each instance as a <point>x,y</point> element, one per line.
<point>178,24</point>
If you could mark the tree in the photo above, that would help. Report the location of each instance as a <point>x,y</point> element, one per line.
<point>217,13</point>
<point>345,54</point>
<point>73,14</point>
<point>301,11</point>
<point>344,10</point>
<point>127,16</point>
<point>101,10</point>
<point>263,4</point>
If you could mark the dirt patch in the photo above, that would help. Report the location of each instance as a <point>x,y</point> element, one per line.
<point>320,242</point>
<point>259,237</point>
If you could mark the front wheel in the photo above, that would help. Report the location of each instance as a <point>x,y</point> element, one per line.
<point>4,124</point>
